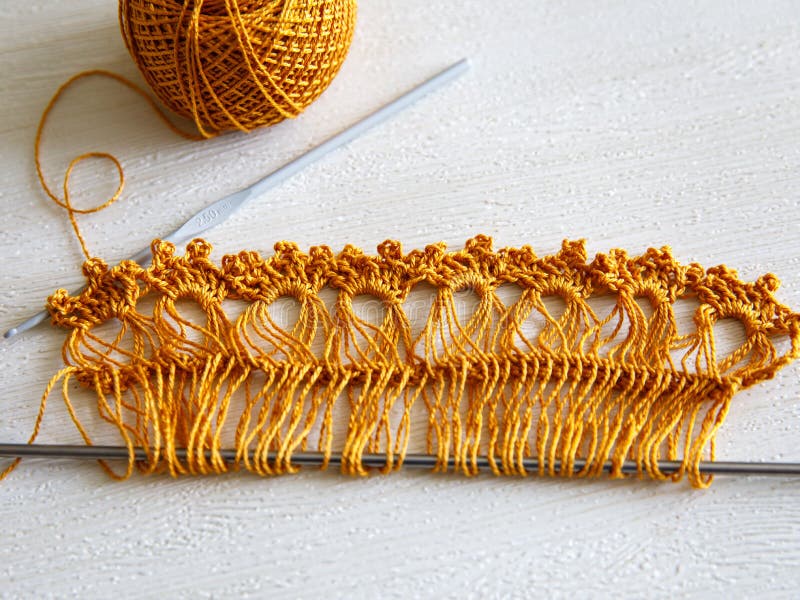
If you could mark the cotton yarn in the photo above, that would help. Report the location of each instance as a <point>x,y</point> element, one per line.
<point>237,64</point>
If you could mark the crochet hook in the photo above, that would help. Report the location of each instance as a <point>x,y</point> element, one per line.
<point>379,460</point>
<point>217,212</point>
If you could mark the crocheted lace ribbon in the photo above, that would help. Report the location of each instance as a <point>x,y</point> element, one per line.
<point>601,387</point>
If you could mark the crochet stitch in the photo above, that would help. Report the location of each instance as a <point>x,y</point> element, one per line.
<point>626,385</point>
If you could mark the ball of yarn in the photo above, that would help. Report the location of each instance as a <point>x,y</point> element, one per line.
<point>237,64</point>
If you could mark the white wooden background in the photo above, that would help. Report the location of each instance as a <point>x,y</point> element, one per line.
<point>627,123</point>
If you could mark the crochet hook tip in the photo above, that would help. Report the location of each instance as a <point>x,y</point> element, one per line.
<point>26,325</point>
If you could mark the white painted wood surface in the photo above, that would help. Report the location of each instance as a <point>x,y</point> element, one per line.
<point>627,123</point>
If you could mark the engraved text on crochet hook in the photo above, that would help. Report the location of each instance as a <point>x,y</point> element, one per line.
<point>211,215</point>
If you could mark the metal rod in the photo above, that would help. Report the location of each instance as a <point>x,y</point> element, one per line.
<point>424,461</point>
<point>218,211</point>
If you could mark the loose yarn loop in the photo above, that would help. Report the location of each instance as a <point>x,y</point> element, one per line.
<point>66,202</point>
<point>237,64</point>
<point>615,387</point>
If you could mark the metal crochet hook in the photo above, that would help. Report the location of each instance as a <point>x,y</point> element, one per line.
<point>219,211</point>
<point>379,460</point>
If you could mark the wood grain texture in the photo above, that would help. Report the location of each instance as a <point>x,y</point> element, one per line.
<point>626,123</point>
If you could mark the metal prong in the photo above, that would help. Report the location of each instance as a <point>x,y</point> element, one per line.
<point>423,461</point>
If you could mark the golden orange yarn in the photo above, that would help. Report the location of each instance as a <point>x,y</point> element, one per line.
<point>237,64</point>
<point>625,385</point>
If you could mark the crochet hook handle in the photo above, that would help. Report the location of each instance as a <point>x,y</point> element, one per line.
<point>379,460</point>
<point>219,211</point>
